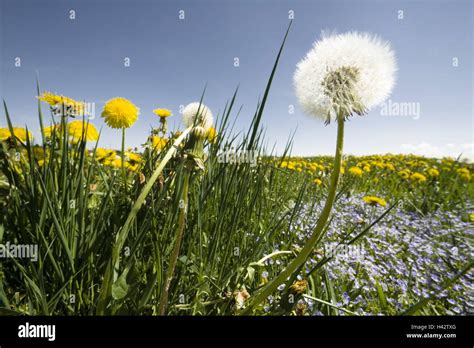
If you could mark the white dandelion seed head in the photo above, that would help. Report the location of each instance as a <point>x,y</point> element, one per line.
<point>367,66</point>
<point>203,114</point>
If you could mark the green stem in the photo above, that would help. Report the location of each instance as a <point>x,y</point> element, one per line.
<point>318,230</point>
<point>163,127</point>
<point>163,304</point>
<point>123,158</point>
<point>113,266</point>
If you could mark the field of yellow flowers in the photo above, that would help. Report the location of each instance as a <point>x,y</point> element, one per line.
<point>177,228</point>
<point>410,219</point>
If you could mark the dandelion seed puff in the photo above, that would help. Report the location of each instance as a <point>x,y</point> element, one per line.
<point>199,111</point>
<point>345,73</point>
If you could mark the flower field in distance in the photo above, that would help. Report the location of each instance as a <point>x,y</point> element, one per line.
<point>410,254</point>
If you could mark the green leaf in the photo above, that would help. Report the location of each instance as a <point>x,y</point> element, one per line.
<point>250,273</point>
<point>382,298</point>
<point>120,287</point>
<point>8,312</point>
<point>148,291</point>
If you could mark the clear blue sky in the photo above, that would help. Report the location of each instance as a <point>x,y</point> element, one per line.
<point>172,60</point>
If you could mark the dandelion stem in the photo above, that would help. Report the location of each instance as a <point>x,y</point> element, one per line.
<point>183,206</point>
<point>310,244</point>
<point>123,158</point>
<point>122,235</point>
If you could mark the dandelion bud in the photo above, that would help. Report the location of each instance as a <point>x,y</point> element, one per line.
<point>200,132</point>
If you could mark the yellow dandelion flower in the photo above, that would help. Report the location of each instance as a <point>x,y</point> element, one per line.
<point>120,113</point>
<point>418,177</point>
<point>405,174</point>
<point>19,133</point>
<point>317,181</point>
<point>162,113</point>
<point>102,154</point>
<point>116,163</point>
<point>4,134</point>
<point>433,172</point>
<point>133,157</point>
<point>109,161</point>
<point>356,171</point>
<point>158,143</point>
<point>211,135</point>
<point>372,200</point>
<point>379,165</point>
<point>48,131</point>
<point>132,166</point>
<point>463,171</point>
<point>471,217</point>
<point>78,129</point>
<point>52,99</point>
<point>70,106</point>
<point>284,164</point>
<point>465,176</point>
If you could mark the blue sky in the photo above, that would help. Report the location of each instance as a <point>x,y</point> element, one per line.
<point>171,60</point>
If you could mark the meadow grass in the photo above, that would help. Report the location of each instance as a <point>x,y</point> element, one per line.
<point>169,231</point>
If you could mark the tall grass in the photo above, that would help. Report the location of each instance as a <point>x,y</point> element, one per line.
<point>84,218</point>
<point>117,242</point>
